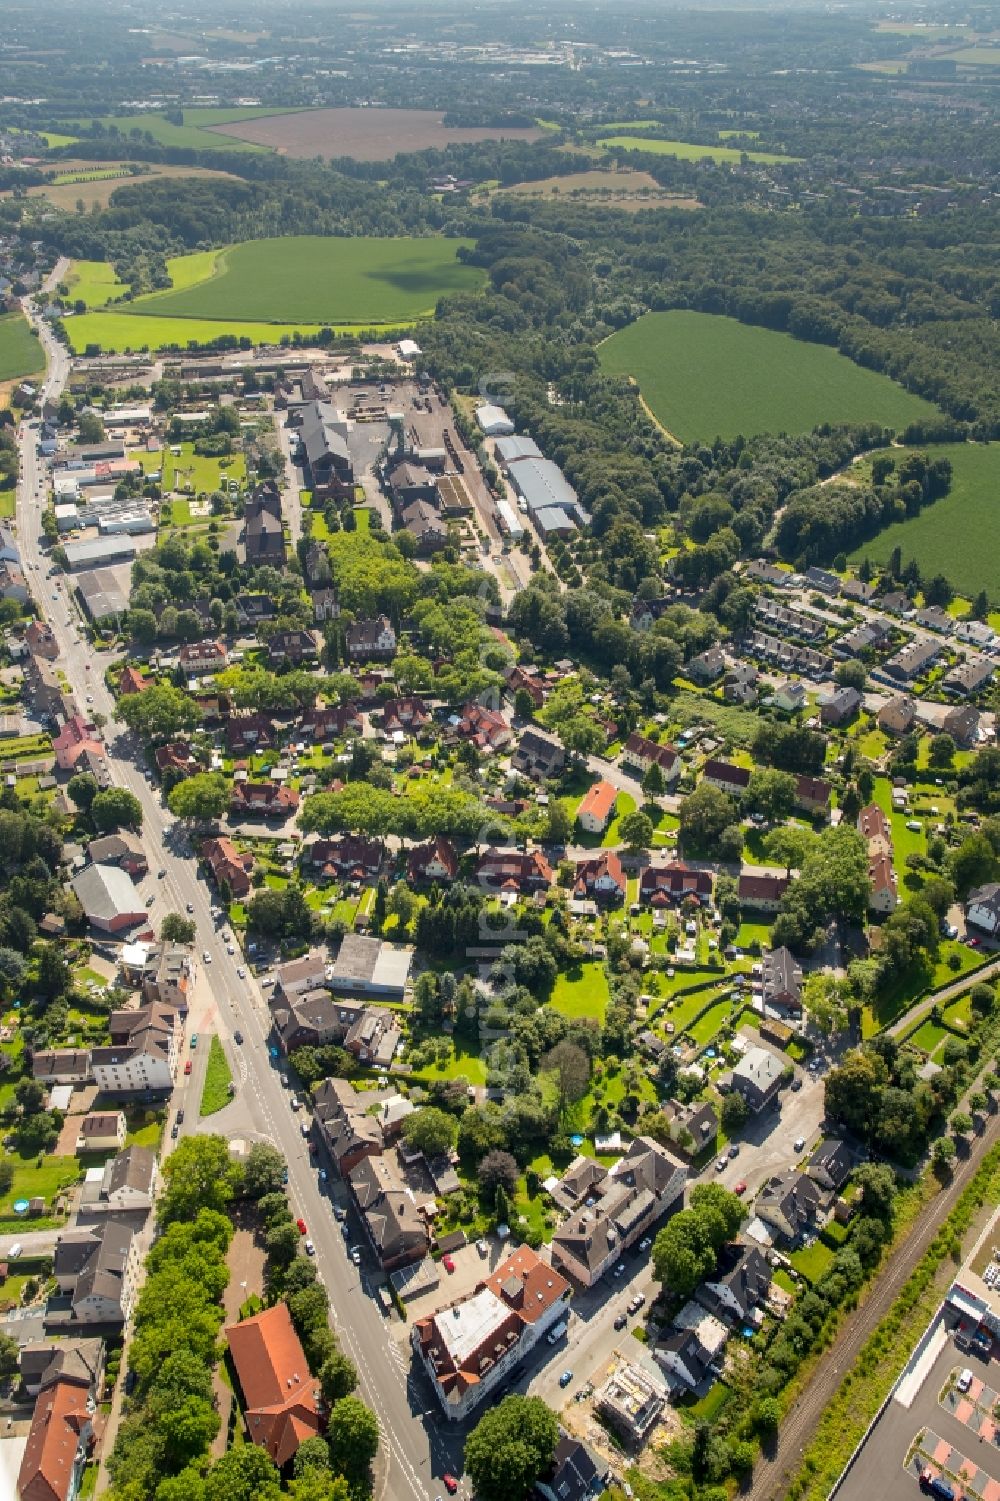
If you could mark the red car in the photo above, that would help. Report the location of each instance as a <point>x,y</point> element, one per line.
<point>450,1483</point>
<point>188,1066</point>
<point>740,1187</point>
<point>302,1226</point>
<point>448,1263</point>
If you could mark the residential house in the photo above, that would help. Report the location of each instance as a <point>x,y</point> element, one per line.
<point>141,1060</point>
<point>741,684</point>
<point>43,1361</point>
<point>471,1348</point>
<point>855,590</point>
<point>13,584</point>
<point>59,1440</point>
<point>766,573</point>
<point>45,687</point>
<point>432,862</point>
<point>631,1401</point>
<point>374,1037</point>
<point>405,716</point>
<point>830,1164</point>
<point>786,622</point>
<point>108,899</point>
<point>397,1233</point>
<point>708,665</point>
<point>962,724</point>
<point>575,1473</point>
<point>969,677</point>
<point>762,891</point>
<point>538,755</point>
<point>823,580</point>
<point>230,869</point>
<point>128,1184</point>
<point>597,807</point>
<point>600,878</point>
<point>371,640</point>
<point>426,526</point>
<point>789,697</point>
<point>312,1019</point>
<point>739,1285</point>
<point>263,540</point>
<point>733,780</point>
<point>176,761</point>
<point>349,857</point>
<point>976,633</point>
<point>913,659</point>
<point>789,1204</point>
<point>619,1209</point>
<point>122,849</point>
<point>102,1131</point>
<point>781,981</point>
<point>640,754</point>
<point>841,706</point>
<point>167,976</point>
<point>61,1066</point>
<point>869,636</point>
<point>884,896</point>
<point>684,1356</point>
<point>332,722</point>
<point>757,1077</point>
<point>646,612</point>
<point>812,795</point>
<point>77,736</point>
<point>982,908</point>
<point>41,640</point>
<point>97,1268</point>
<point>300,976</point>
<point>349,1129</point>
<point>262,800</point>
<point>898,716</point>
<point>660,885</point>
<point>294,646</point>
<point>876,830</point>
<point>281,1400</point>
<point>693,1127</point>
<point>248,734</point>
<point>520,871</point>
<point>527,680</point>
<point>199,657</point>
<point>934,618</point>
<point>485,728</point>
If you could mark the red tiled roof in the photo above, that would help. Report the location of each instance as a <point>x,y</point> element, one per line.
<point>280,1394</point>
<point>60,1419</point>
<point>599,801</point>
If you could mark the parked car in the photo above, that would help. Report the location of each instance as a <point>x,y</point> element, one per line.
<point>565,1378</point>
<point>194,1041</point>
<point>448,1262</point>
<point>175,1131</point>
<point>310,1248</point>
<point>188,1066</point>
<point>621,1321</point>
<point>637,1302</point>
<point>180,1116</point>
<point>356,1255</point>
<point>238,1038</point>
<point>740,1188</point>
<point>301,1226</point>
<point>450,1483</point>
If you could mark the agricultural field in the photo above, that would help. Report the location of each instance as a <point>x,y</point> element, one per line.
<point>689,151</point>
<point>987,57</point>
<point>622,189</point>
<point>367,135</point>
<point>703,375</point>
<point>947,537</point>
<point>313,279</point>
<point>20,352</point>
<point>195,133</point>
<point>94,182</point>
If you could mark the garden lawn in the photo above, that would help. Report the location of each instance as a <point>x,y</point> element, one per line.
<point>704,375</point>
<point>706,1027</point>
<point>459,1066</point>
<point>312,278</point>
<point>21,354</point>
<point>946,537</point>
<point>217,1080</point>
<point>36,1177</point>
<point>582,992</point>
<point>812,1261</point>
<point>928,1035</point>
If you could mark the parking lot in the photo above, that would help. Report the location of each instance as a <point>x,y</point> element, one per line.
<point>930,1424</point>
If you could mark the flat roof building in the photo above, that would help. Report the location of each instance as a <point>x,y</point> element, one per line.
<point>367,966</point>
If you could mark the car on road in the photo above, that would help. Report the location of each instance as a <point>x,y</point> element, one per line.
<point>620,1269</point>
<point>15,1251</point>
<point>188,1066</point>
<point>322,1175</point>
<point>734,1150</point>
<point>799,1143</point>
<point>207,957</point>
<point>241,972</point>
<point>194,1041</point>
<point>721,1164</point>
<point>180,1116</point>
<point>160,874</point>
<point>814,1065</point>
<point>150,900</point>
<point>339,1213</point>
<point>636,1303</point>
<point>310,1248</point>
<point>740,1188</point>
<point>621,1321</point>
<point>175,1131</point>
<point>565,1378</point>
<point>230,948</point>
<point>190,906</point>
<point>304,1126</point>
<point>238,1038</point>
<point>301,1226</point>
<point>645,1243</point>
<point>356,1255</point>
<point>450,1483</point>
<point>448,1262</point>
<point>796,1084</point>
<point>295,1102</point>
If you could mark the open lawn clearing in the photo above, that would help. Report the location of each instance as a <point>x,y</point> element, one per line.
<point>367,135</point>
<point>704,375</point>
<point>688,151</point>
<point>928,1036</point>
<point>460,1065</point>
<point>117,333</point>
<point>20,352</point>
<point>322,279</point>
<point>812,1261</point>
<point>192,472</point>
<point>93,282</point>
<point>217,1080</point>
<point>97,283</point>
<point>581,992</point>
<point>624,189</point>
<point>193,133</point>
<point>947,536</point>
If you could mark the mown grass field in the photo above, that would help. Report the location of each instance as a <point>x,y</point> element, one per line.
<point>705,376</point>
<point>688,151</point>
<point>192,133</point>
<point>948,537</point>
<point>313,279</point>
<point>20,352</point>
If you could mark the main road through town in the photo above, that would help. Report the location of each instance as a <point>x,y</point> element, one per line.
<point>417,1445</point>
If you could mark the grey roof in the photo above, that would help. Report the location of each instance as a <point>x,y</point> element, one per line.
<point>757,1070</point>
<point>134,1168</point>
<point>781,976</point>
<point>101,550</point>
<point>541,483</point>
<point>105,892</point>
<point>516,448</point>
<point>553,519</point>
<point>744,1271</point>
<point>320,437</point>
<point>832,1160</point>
<point>101,593</point>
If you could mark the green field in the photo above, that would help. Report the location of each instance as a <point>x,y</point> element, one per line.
<point>689,151</point>
<point>948,536</point>
<point>192,133</point>
<point>582,992</point>
<point>115,333</point>
<point>20,352</point>
<point>217,1080</point>
<point>97,283</point>
<point>703,375</point>
<point>312,279</point>
<point>982,56</point>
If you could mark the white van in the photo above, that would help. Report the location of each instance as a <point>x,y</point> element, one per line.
<point>964,1380</point>
<point>558,1333</point>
